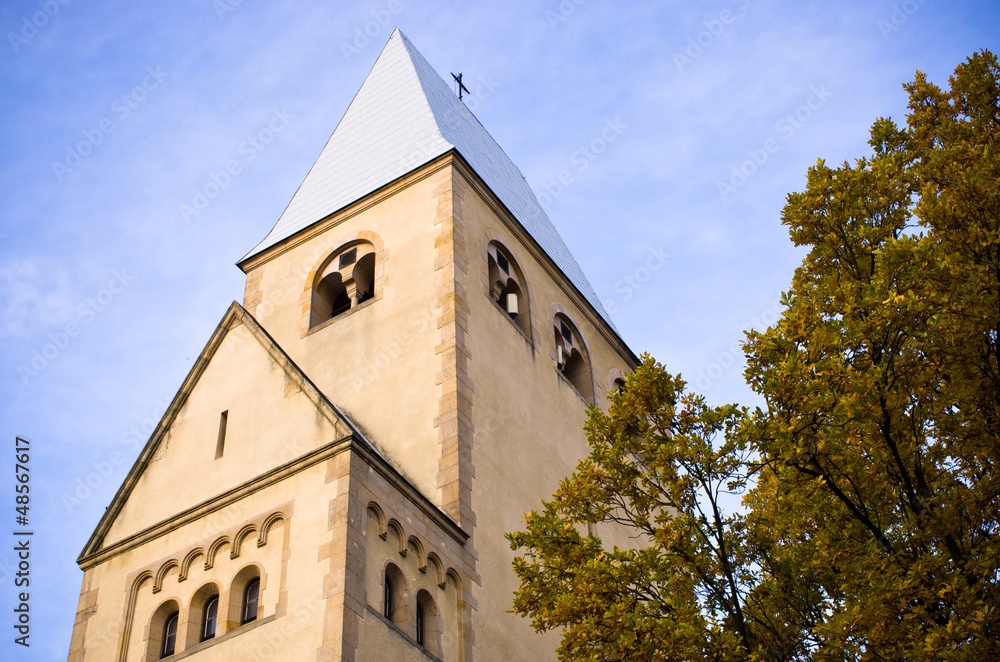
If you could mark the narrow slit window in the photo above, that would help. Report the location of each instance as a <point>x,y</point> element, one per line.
<point>502,262</point>
<point>387,606</point>
<point>221,443</point>
<point>566,333</point>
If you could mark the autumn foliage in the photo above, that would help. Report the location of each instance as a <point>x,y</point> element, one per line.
<point>856,516</point>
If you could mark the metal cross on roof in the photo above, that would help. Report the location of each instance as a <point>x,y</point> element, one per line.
<point>461,85</point>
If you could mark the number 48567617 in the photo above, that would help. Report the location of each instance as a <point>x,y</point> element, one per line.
<point>21,473</point>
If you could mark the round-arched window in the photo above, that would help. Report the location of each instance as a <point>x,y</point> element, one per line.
<point>572,357</point>
<point>251,599</point>
<point>507,286</point>
<point>346,280</point>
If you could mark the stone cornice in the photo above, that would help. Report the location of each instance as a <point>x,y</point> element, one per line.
<point>343,214</point>
<point>272,477</point>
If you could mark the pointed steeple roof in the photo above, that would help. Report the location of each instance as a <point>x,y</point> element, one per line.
<point>404,116</point>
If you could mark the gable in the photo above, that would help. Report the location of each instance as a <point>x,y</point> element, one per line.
<point>273,415</point>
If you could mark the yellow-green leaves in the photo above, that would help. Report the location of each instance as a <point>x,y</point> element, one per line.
<point>663,478</point>
<point>882,427</point>
<point>856,516</point>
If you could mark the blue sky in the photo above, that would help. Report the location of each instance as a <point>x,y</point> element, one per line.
<point>115,113</point>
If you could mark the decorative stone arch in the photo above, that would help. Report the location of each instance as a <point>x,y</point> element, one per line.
<point>456,579</point>
<point>616,380</point>
<point>376,513</point>
<point>437,568</point>
<point>155,630</point>
<point>188,561</point>
<point>193,628</point>
<point>237,587</point>
<point>463,623</point>
<point>238,539</point>
<point>213,550</point>
<point>397,530</point>
<point>316,295</point>
<point>427,622</point>
<point>265,526</point>
<point>498,283</point>
<point>162,573</point>
<point>137,583</point>
<point>570,352</point>
<point>395,603</point>
<point>418,552</point>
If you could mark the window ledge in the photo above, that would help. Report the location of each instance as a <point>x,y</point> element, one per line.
<point>410,640</point>
<point>509,319</point>
<point>568,383</point>
<point>208,643</point>
<point>348,313</point>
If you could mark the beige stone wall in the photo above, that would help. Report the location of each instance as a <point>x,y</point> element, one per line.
<point>270,422</point>
<point>378,361</point>
<point>379,642</point>
<point>399,531</point>
<point>528,419</point>
<point>276,530</point>
<point>310,536</point>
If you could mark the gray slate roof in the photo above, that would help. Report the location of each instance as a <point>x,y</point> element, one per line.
<point>404,116</point>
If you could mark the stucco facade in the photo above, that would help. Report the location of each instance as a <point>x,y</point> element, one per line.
<point>356,438</point>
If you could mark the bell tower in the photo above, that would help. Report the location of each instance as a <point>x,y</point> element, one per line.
<point>408,373</point>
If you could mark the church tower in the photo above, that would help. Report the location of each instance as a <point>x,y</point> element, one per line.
<point>408,374</point>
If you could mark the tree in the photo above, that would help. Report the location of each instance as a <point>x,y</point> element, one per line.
<point>662,468</point>
<point>870,481</point>
<point>882,429</point>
